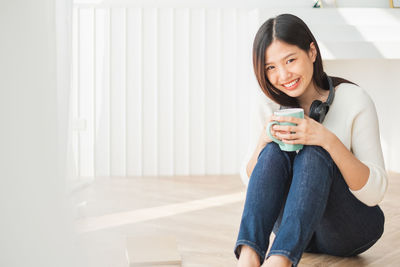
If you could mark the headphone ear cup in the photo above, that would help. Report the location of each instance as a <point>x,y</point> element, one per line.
<point>314,110</point>
<point>322,110</point>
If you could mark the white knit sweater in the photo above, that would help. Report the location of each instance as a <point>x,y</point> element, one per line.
<point>352,118</point>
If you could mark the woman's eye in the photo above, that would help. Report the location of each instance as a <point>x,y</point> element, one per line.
<point>269,68</point>
<point>291,60</point>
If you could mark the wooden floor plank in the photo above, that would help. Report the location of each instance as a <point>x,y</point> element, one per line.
<point>152,250</point>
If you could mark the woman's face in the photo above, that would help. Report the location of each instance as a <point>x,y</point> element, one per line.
<point>289,68</point>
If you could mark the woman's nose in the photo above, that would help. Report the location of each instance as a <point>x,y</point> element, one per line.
<point>284,74</point>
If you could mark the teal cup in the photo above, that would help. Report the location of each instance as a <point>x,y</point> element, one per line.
<point>290,112</point>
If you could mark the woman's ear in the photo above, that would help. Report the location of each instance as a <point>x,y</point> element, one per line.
<point>313,52</point>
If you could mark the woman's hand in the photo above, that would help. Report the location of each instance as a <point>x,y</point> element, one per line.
<point>306,132</point>
<point>264,138</point>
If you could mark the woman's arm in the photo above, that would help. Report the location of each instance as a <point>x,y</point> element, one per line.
<point>263,140</point>
<point>254,158</point>
<point>259,118</point>
<point>354,172</point>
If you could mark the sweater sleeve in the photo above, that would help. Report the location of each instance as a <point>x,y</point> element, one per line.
<point>263,108</point>
<point>366,146</point>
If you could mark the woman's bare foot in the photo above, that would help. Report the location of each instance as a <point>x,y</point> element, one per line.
<point>277,261</point>
<point>248,257</point>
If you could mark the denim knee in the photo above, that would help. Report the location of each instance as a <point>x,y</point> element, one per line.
<point>270,148</point>
<point>273,152</point>
<point>315,154</point>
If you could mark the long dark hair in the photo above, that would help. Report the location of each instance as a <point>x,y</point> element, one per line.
<point>291,30</point>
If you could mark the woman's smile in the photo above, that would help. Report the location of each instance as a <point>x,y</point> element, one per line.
<point>292,85</point>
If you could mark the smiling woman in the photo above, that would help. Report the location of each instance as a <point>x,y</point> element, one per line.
<point>323,198</point>
<point>297,48</point>
<point>292,70</point>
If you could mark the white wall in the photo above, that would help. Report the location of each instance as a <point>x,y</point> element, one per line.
<point>159,91</point>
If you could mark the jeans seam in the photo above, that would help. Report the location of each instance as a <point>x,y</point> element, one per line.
<point>258,157</point>
<point>247,242</point>
<point>285,252</point>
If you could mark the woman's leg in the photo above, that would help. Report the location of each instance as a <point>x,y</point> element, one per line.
<point>265,195</point>
<point>348,226</point>
<point>305,203</point>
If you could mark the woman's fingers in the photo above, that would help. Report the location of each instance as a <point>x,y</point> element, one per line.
<point>287,135</point>
<point>285,128</point>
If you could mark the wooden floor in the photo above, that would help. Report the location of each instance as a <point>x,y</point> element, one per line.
<point>203,213</point>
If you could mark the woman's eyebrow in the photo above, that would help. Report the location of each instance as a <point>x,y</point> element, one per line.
<point>291,54</point>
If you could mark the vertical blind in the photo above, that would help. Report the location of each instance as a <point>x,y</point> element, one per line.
<point>160,91</point>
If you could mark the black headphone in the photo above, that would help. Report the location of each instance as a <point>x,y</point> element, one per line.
<point>319,109</point>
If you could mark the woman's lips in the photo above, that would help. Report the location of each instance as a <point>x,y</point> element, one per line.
<point>293,84</point>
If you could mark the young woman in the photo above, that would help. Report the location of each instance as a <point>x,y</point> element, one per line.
<point>322,198</point>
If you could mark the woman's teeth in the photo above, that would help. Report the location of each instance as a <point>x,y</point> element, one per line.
<point>291,84</point>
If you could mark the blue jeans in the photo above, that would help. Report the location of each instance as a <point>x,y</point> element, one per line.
<point>303,198</point>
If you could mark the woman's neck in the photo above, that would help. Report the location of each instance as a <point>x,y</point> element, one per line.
<point>311,94</point>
